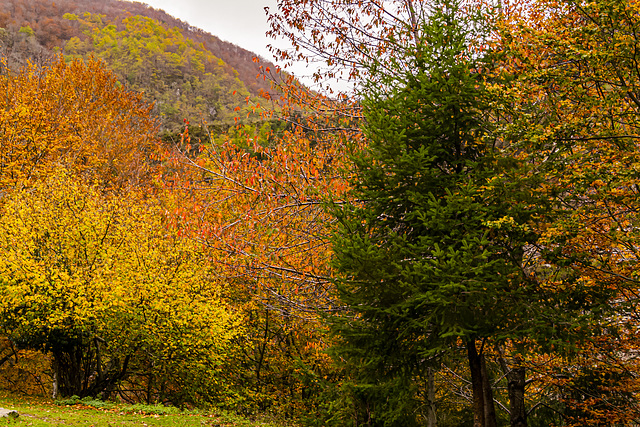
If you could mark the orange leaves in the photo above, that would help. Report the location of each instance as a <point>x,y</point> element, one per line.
<point>575,78</point>
<point>260,208</point>
<point>72,114</point>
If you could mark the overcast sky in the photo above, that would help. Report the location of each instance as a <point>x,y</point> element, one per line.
<point>241,22</point>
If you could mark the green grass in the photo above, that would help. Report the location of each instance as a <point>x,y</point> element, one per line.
<point>40,412</point>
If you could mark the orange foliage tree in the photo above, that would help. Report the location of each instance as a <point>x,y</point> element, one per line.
<point>571,113</point>
<point>253,199</point>
<point>76,115</point>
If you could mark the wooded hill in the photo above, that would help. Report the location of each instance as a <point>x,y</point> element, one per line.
<point>188,73</point>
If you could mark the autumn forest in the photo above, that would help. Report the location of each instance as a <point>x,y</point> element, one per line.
<point>450,242</point>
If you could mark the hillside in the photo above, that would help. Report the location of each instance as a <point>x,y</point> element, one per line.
<point>187,72</point>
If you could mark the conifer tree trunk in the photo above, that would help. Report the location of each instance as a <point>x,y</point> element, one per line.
<point>475,366</point>
<point>484,412</point>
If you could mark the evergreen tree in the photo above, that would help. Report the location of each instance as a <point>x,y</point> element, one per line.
<point>436,250</point>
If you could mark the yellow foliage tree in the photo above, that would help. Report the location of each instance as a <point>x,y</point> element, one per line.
<point>101,283</point>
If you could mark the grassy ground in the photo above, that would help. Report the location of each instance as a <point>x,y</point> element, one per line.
<point>39,412</point>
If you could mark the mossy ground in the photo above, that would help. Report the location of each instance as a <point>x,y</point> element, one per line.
<point>42,412</point>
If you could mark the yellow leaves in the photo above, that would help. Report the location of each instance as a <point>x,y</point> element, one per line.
<point>77,258</point>
<point>505,222</point>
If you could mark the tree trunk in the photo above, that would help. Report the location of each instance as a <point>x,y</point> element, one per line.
<point>431,399</point>
<point>262,350</point>
<point>70,369</point>
<point>69,373</point>
<point>516,381</point>
<point>487,392</point>
<point>484,412</point>
<point>54,391</point>
<point>516,378</point>
<point>475,366</point>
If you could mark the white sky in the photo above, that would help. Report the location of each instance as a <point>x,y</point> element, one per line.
<point>241,22</point>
